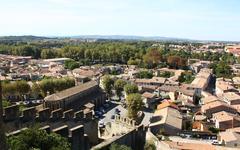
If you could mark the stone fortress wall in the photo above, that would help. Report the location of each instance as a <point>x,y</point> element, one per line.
<point>126,132</point>
<point>79,127</point>
<point>68,124</point>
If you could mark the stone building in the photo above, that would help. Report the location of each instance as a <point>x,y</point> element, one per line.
<point>230,139</point>
<point>167,120</point>
<point>76,97</point>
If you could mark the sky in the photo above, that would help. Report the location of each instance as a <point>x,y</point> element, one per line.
<point>192,19</point>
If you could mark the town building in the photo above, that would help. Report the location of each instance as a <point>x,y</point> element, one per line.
<point>155,81</point>
<point>224,120</point>
<point>57,60</point>
<point>196,67</point>
<point>167,120</point>
<point>76,97</point>
<point>224,85</point>
<point>202,78</point>
<point>235,49</point>
<point>189,93</point>
<point>235,69</point>
<point>217,106</point>
<point>170,92</point>
<point>149,99</point>
<point>230,139</point>
<point>231,98</point>
<point>236,81</point>
<point>209,99</point>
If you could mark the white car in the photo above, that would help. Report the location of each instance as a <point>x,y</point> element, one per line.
<point>215,142</point>
<point>101,124</point>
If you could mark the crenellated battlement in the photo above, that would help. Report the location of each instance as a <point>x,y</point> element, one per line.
<point>13,113</point>
<point>75,135</point>
<point>79,127</point>
<point>125,121</point>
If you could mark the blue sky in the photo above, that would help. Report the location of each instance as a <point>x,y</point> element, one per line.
<point>195,19</point>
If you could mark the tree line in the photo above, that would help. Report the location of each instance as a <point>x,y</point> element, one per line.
<point>21,89</point>
<point>142,54</point>
<point>110,51</point>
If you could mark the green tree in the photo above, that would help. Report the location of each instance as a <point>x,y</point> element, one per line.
<point>115,146</point>
<point>130,88</point>
<point>107,83</point>
<point>144,74</point>
<point>36,90</point>
<point>134,104</point>
<point>238,59</point>
<point>17,88</point>
<point>47,86</point>
<point>73,52</point>
<point>166,74</point>
<point>53,85</point>
<point>176,62</point>
<point>149,145</point>
<point>213,129</point>
<point>5,103</point>
<point>33,138</point>
<point>152,58</point>
<point>48,53</point>
<point>118,86</point>
<point>71,64</point>
<point>186,77</point>
<point>213,66</point>
<point>8,89</point>
<point>69,82</point>
<point>22,88</point>
<point>132,61</point>
<point>26,50</point>
<point>223,70</point>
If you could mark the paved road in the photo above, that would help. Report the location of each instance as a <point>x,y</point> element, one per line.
<point>147,116</point>
<point>123,112</point>
<point>111,112</point>
<point>187,140</point>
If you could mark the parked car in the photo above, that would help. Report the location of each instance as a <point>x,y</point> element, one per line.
<point>124,105</point>
<point>215,142</point>
<point>183,135</point>
<point>101,124</point>
<point>26,102</point>
<point>106,105</point>
<point>18,103</point>
<point>34,101</point>
<point>98,113</point>
<point>39,101</point>
<point>102,110</point>
<point>117,111</point>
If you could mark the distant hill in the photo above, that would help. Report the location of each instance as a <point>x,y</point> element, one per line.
<point>24,38</point>
<point>30,38</point>
<point>126,37</point>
